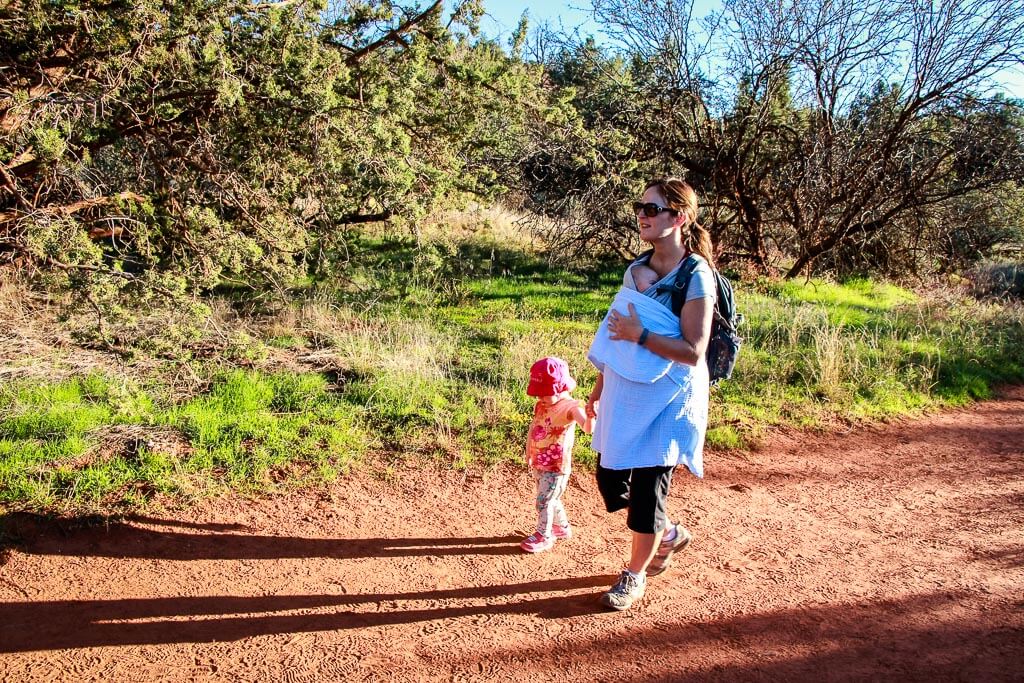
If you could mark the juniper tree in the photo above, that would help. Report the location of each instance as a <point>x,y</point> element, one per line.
<point>155,148</point>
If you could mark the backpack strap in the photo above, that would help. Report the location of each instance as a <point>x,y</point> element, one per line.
<point>643,258</point>
<point>682,282</point>
<point>725,304</point>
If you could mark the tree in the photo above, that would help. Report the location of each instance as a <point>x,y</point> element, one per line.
<point>814,126</point>
<point>890,93</point>
<point>578,167</point>
<point>171,146</point>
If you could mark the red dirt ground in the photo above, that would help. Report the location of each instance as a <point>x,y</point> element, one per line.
<point>894,553</point>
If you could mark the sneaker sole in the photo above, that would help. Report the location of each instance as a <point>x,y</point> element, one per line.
<point>606,602</point>
<point>651,571</point>
<point>536,549</point>
<point>617,608</point>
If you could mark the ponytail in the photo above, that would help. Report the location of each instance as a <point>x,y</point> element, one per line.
<point>698,241</point>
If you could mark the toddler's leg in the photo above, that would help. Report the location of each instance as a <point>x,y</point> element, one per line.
<point>550,487</point>
<point>559,518</point>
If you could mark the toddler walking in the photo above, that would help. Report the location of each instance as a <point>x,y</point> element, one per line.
<point>549,447</point>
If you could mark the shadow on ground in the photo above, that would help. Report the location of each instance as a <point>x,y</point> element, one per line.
<point>97,537</point>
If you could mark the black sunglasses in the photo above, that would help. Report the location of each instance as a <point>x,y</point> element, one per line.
<point>650,209</point>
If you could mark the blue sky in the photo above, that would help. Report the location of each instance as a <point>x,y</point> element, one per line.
<point>503,16</point>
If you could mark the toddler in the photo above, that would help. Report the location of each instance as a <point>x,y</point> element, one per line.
<point>549,447</point>
<point>643,276</point>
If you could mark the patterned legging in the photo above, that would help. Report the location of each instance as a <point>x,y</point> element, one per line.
<point>550,487</point>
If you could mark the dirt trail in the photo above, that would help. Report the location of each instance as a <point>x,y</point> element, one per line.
<point>885,553</point>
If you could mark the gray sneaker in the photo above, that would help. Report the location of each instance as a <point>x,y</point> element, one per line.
<point>663,558</point>
<point>624,593</point>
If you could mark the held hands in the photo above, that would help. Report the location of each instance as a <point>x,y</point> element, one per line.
<point>625,327</point>
<point>594,399</point>
<point>590,410</point>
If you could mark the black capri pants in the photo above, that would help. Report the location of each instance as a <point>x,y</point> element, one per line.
<point>643,491</point>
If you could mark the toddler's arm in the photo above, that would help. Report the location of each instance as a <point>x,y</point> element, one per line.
<point>585,421</point>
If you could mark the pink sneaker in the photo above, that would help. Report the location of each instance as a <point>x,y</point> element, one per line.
<point>562,532</point>
<point>537,543</point>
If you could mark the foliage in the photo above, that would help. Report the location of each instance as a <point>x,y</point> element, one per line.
<point>814,152</point>
<point>238,183</point>
<point>154,150</point>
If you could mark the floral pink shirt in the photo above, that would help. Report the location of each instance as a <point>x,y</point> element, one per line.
<point>552,434</point>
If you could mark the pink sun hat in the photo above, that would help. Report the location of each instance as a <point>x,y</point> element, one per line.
<point>550,376</point>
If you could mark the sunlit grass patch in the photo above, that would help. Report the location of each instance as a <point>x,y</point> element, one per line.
<point>98,443</point>
<point>255,430</point>
<point>854,302</point>
<point>863,350</point>
<point>724,437</point>
<point>866,294</point>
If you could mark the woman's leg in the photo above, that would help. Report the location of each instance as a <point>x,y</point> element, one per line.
<point>614,487</point>
<point>644,548</point>
<point>678,540</point>
<point>647,517</point>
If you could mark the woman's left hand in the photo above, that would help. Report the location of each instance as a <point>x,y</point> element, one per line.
<point>626,327</point>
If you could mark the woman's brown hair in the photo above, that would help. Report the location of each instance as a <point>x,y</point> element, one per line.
<point>681,197</point>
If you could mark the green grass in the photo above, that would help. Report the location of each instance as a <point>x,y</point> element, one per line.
<point>251,431</point>
<point>429,362</point>
<point>817,351</point>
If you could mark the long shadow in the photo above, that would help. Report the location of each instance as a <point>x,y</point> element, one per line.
<point>204,526</point>
<point>38,535</point>
<point>917,638</point>
<point>66,624</point>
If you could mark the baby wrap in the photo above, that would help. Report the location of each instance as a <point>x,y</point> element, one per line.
<point>630,360</point>
<point>653,411</point>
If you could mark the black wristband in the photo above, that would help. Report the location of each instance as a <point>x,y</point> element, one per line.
<point>643,337</point>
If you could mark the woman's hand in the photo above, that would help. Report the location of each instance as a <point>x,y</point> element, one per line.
<point>694,324</point>
<point>625,327</point>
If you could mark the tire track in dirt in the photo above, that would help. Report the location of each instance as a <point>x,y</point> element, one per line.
<point>894,551</point>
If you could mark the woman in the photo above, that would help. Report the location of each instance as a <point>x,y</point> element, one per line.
<point>652,407</point>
